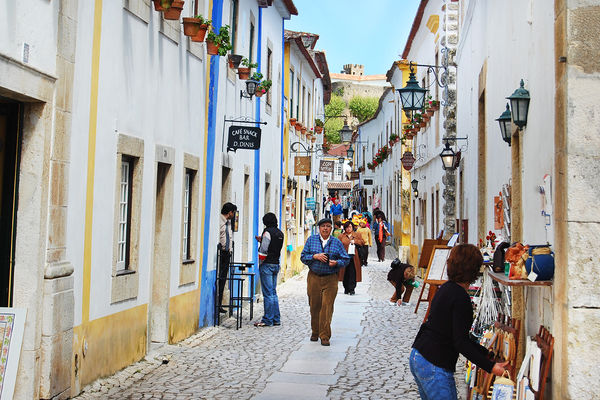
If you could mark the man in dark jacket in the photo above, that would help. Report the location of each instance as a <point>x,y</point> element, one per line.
<point>271,242</point>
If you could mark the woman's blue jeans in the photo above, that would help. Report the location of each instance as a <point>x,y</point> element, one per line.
<point>268,283</point>
<point>434,383</point>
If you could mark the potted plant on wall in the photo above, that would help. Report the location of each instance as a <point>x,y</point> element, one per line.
<point>244,72</point>
<point>196,27</point>
<point>393,138</point>
<point>234,60</point>
<point>218,43</point>
<point>318,125</point>
<point>174,12</point>
<point>162,5</point>
<point>263,87</point>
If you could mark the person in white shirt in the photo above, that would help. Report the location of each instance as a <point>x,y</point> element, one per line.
<point>225,246</point>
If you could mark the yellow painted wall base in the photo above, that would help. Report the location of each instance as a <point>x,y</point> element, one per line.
<point>183,315</point>
<point>113,342</point>
<point>413,257</point>
<point>294,265</point>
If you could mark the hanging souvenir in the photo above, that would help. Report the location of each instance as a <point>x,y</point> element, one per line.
<point>504,388</point>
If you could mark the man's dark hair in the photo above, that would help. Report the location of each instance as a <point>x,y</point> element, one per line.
<point>228,207</point>
<point>464,263</point>
<point>338,224</point>
<point>270,220</point>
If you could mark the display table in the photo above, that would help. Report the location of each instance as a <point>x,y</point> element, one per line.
<point>503,279</point>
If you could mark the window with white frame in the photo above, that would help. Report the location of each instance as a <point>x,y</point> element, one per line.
<point>124,228</point>
<point>269,73</point>
<point>292,108</point>
<point>187,213</point>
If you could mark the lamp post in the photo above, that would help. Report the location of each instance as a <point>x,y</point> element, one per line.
<point>449,157</point>
<point>505,125</point>
<point>519,105</point>
<point>350,152</point>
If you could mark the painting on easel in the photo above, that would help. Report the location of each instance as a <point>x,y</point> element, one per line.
<point>12,327</point>
<point>435,275</point>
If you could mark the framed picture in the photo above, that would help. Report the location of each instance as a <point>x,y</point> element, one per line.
<point>12,328</point>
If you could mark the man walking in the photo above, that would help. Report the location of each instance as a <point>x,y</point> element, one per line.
<point>324,255</point>
<point>271,242</point>
<point>337,211</point>
<point>226,246</point>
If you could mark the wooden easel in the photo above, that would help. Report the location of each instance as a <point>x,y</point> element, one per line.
<point>435,280</point>
<point>426,249</point>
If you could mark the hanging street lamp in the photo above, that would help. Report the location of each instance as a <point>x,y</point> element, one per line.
<point>505,125</point>
<point>448,157</point>
<point>412,95</point>
<point>350,152</point>
<point>346,133</point>
<point>519,105</point>
<point>415,184</point>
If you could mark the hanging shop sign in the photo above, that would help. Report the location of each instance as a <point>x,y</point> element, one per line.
<point>354,175</point>
<point>311,204</point>
<point>243,137</point>
<point>326,165</point>
<point>408,160</point>
<point>302,165</point>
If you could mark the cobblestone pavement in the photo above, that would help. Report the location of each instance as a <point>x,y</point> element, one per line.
<point>225,363</point>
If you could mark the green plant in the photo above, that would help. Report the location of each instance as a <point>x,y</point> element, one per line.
<point>318,122</point>
<point>333,125</point>
<point>246,63</point>
<point>265,85</point>
<point>221,39</point>
<point>203,21</point>
<point>257,76</point>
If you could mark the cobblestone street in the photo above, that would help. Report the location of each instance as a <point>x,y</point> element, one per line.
<point>367,359</point>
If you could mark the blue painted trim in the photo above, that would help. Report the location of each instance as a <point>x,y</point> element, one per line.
<point>207,291</point>
<point>257,216</point>
<point>283,122</point>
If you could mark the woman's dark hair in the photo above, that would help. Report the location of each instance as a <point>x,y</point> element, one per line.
<point>270,220</point>
<point>227,207</point>
<point>347,224</point>
<point>337,223</point>
<point>464,263</point>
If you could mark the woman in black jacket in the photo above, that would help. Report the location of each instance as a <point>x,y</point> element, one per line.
<point>446,331</point>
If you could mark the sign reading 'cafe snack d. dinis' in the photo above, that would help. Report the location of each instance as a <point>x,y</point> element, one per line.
<point>243,137</point>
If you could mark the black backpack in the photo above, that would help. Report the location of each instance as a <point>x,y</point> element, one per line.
<point>499,256</point>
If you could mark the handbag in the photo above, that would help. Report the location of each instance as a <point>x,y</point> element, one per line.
<point>540,260</point>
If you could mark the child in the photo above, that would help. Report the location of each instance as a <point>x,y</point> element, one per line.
<point>401,276</point>
<point>365,234</point>
<point>337,231</point>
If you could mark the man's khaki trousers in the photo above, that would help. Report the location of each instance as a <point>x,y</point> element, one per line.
<point>322,291</point>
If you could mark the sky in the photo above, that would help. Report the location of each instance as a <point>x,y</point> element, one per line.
<point>368,32</point>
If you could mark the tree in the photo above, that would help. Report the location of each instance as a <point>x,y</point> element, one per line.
<point>363,108</point>
<point>332,124</point>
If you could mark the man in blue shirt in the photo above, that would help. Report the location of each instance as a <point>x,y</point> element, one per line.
<point>324,255</point>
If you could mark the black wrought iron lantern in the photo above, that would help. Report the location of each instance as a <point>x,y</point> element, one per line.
<point>350,152</point>
<point>251,85</point>
<point>448,157</point>
<point>505,125</point>
<point>519,105</point>
<point>412,95</point>
<point>341,160</point>
<point>345,133</point>
<point>415,185</point>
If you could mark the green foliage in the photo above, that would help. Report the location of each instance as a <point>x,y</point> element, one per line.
<point>203,21</point>
<point>363,108</point>
<point>246,63</point>
<point>221,39</point>
<point>339,92</point>
<point>265,85</point>
<point>257,76</point>
<point>318,122</point>
<point>332,124</point>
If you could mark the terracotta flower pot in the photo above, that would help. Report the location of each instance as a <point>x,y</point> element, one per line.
<point>212,48</point>
<point>313,139</point>
<point>293,121</point>
<point>258,92</point>
<point>199,37</point>
<point>191,26</point>
<point>298,127</point>
<point>430,112</point>
<point>234,60</point>
<point>159,5</point>
<point>303,130</point>
<point>244,73</point>
<point>174,12</point>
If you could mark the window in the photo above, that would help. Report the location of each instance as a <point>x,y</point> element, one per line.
<point>292,109</point>
<point>124,229</point>
<point>251,46</point>
<point>233,18</point>
<point>187,213</point>
<point>127,216</point>
<point>304,116</point>
<point>298,99</point>
<point>269,73</point>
